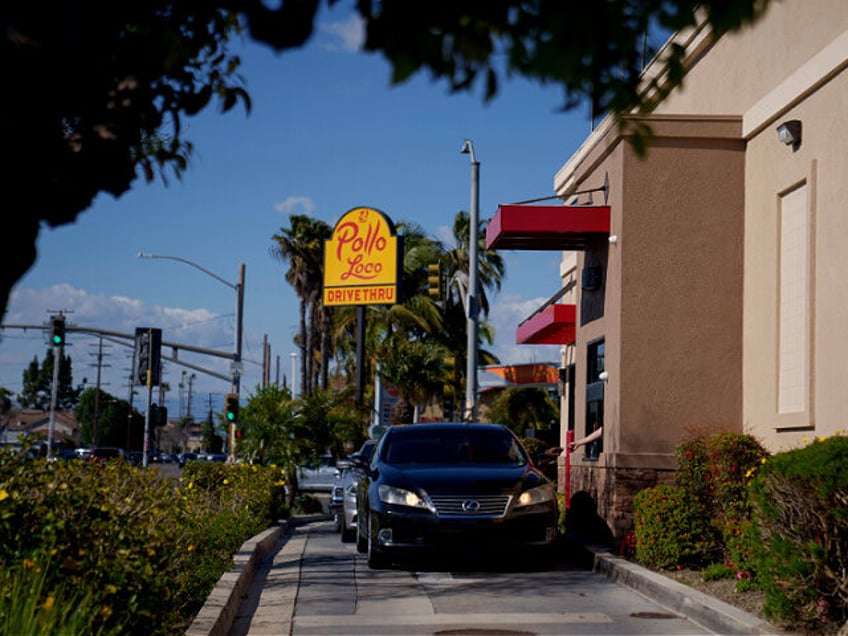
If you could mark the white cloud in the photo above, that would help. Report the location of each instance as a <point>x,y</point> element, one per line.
<point>294,204</point>
<point>348,35</point>
<point>197,327</point>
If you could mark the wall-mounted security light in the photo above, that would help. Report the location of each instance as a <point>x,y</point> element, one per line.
<point>613,238</point>
<point>603,376</point>
<point>789,132</point>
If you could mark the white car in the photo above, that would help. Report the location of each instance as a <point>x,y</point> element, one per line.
<point>319,479</point>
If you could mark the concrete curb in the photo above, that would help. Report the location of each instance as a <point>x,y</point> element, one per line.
<point>218,613</point>
<point>708,612</point>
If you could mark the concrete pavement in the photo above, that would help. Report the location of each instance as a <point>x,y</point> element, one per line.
<point>259,593</point>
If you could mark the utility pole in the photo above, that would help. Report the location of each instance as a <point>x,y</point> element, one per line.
<point>188,401</point>
<point>99,364</point>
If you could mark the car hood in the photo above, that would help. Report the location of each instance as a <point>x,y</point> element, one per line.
<point>477,479</point>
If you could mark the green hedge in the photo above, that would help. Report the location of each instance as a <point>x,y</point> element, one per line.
<point>144,550</point>
<point>801,507</point>
<point>672,530</point>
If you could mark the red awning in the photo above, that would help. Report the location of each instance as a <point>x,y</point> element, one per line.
<point>555,324</point>
<point>546,227</point>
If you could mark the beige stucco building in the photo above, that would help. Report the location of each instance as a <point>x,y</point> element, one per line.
<point>713,295</point>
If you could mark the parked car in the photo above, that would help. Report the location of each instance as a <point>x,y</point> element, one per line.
<point>349,483</point>
<point>106,453</point>
<point>320,478</point>
<point>182,458</point>
<point>452,486</point>
<point>337,492</point>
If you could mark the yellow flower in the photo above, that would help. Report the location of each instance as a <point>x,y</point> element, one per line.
<point>226,481</point>
<point>822,438</point>
<point>29,563</point>
<point>4,494</point>
<point>804,440</point>
<point>111,589</point>
<point>191,548</point>
<point>763,460</point>
<point>151,552</point>
<point>48,603</point>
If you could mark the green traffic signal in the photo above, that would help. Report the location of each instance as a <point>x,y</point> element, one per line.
<point>58,332</point>
<point>231,407</point>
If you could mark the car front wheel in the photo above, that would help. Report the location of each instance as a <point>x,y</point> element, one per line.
<point>376,558</point>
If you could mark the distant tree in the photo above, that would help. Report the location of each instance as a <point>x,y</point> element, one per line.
<point>523,408</point>
<point>5,400</point>
<point>101,89</point>
<point>114,426</point>
<point>36,392</point>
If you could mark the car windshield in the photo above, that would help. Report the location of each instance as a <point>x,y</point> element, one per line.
<point>453,447</point>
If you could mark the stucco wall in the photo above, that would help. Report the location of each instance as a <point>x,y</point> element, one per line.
<point>821,164</point>
<point>743,67</point>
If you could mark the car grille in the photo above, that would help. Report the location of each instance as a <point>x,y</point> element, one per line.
<point>470,505</point>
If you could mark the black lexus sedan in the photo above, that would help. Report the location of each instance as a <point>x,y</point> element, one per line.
<point>452,486</point>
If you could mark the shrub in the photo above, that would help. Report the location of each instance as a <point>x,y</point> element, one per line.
<point>693,473</point>
<point>800,503</point>
<point>730,457</point>
<point>143,549</point>
<point>671,529</point>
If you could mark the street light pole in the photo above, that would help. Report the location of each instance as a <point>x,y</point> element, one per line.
<point>471,306</point>
<point>237,340</point>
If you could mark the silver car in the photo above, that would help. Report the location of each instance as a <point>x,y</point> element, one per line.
<point>348,484</point>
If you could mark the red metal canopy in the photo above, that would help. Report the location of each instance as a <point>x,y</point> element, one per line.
<point>546,227</point>
<point>556,324</point>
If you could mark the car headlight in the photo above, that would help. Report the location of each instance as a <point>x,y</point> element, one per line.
<point>537,495</point>
<point>402,497</point>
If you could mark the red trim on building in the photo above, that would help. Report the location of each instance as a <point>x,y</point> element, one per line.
<point>546,227</point>
<point>556,324</point>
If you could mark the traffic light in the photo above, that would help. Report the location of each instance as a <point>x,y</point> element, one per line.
<point>434,280</point>
<point>231,408</point>
<point>58,337</point>
<point>158,415</point>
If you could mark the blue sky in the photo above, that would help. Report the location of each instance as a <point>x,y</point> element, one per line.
<point>327,133</point>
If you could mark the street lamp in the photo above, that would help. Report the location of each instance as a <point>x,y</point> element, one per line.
<point>471,305</point>
<point>239,289</point>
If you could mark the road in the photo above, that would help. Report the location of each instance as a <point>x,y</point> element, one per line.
<point>318,585</point>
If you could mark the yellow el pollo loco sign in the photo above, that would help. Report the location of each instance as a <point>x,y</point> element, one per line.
<point>361,260</point>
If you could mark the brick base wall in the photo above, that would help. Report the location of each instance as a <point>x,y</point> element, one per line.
<point>612,491</point>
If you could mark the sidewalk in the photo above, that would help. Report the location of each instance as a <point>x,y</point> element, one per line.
<point>271,561</point>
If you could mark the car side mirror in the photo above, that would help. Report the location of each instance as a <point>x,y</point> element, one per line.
<point>358,461</point>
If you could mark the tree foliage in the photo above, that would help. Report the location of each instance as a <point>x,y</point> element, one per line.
<point>99,90</point>
<point>36,392</point>
<point>105,420</point>
<point>523,408</point>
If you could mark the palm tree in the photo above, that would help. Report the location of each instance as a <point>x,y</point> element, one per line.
<point>453,335</point>
<point>490,266</point>
<point>302,245</point>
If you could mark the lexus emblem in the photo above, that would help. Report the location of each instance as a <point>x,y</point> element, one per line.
<point>470,505</point>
